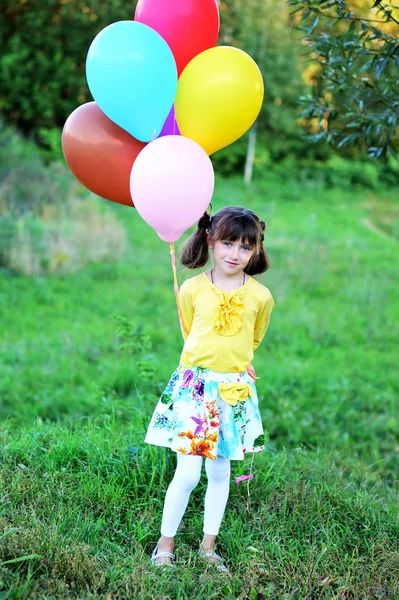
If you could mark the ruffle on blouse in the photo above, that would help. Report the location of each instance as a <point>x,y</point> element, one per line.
<point>234,392</point>
<point>228,321</point>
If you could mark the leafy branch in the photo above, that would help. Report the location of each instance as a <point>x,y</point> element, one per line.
<point>354,88</point>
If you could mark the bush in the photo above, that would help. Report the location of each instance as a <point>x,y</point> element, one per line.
<point>48,221</point>
<point>305,162</point>
<point>346,173</point>
<point>335,172</point>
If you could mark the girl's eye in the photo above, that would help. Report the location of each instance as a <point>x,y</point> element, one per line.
<point>246,248</point>
<point>227,243</point>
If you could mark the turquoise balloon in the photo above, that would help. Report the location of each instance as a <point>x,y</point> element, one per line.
<point>132,75</point>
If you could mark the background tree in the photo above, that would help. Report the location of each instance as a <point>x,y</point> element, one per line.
<point>263,29</point>
<point>43,48</point>
<point>354,96</point>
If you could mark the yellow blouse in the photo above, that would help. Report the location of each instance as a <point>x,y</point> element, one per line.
<point>224,327</point>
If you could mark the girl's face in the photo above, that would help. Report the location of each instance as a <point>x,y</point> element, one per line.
<point>231,257</point>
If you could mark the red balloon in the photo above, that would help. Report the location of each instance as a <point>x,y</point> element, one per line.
<point>188,26</point>
<point>99,153</point>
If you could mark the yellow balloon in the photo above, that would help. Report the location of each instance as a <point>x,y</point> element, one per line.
<point>219,96</point>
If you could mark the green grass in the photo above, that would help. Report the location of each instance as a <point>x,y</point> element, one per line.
<point>81,495</point>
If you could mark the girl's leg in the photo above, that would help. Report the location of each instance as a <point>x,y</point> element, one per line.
<point>186,477</point>
<point>217,493</point>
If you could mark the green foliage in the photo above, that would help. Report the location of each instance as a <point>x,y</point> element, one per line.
<point>137,344</point>
<point>51,144</point>
<point>231,159</point>
<point>359,61</point>
<point>43,49</point>
<point>337,171</point>
<point>48,222</point>
<point>347,174</point>
<point>312,163</point>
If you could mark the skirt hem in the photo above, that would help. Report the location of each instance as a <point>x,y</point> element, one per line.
<point>160,445</point>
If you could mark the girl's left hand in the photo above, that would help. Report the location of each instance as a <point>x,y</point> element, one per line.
<point>251,373</point>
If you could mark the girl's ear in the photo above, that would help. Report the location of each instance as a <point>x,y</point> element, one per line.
<point>208,240</point>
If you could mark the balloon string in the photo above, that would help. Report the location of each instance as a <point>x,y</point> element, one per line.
<point>176,287</point>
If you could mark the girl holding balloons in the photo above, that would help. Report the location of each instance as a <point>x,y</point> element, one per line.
<point>209,408</point>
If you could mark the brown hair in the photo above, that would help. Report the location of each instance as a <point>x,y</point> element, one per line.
<point>230,224</point>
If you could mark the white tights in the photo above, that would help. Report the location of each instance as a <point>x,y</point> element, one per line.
<point>186,477</point>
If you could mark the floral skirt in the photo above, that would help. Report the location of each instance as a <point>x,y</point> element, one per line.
<point>205,413</point>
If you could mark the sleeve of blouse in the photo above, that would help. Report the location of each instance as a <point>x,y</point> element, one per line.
<point>262,320</point>
<point>187,310</point>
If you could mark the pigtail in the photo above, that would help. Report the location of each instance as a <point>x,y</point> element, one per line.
<point>263,228</point>
<point>195,252</point>
<point>259,262</point>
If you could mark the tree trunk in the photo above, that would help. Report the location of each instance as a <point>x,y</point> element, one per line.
<point>249,161</point>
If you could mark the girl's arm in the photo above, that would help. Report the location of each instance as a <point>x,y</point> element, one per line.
<point>187,310</point>
<point>262,320</point>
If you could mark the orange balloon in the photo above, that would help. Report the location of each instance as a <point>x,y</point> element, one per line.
<point>99,153</point>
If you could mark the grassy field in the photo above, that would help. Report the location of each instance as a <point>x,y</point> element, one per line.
<point>83,358</point>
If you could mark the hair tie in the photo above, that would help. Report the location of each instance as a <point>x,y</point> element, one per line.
<point>204,221</point>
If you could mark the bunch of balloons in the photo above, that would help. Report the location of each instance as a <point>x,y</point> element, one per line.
<point>165,99</point>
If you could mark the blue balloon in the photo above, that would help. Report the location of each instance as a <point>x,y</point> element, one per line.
<point>132,75</point>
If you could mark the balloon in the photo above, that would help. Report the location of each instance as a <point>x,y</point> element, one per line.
<point>170,126</point>
<point>99,153</point>
<point>219,96</point>
<point>172,183</point>
<point>188,26</point>
<point>132,76</point>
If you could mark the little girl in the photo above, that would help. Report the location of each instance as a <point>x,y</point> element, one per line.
<point>210,405</point>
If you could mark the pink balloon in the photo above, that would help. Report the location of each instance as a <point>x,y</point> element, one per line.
<point>172,183</point>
